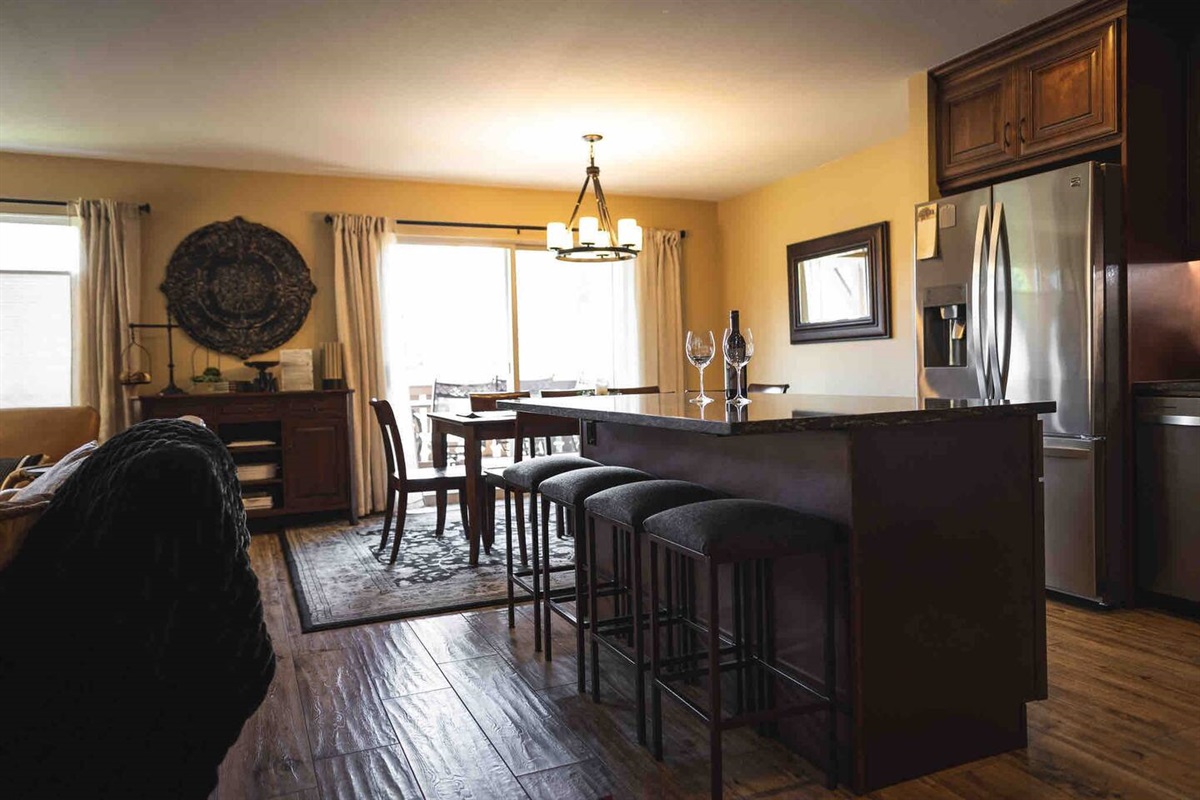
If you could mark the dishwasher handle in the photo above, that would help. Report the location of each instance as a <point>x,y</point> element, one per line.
<point>1186,420</point>
<point>1184,411</point>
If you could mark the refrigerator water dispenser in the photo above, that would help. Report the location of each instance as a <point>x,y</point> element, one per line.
<point>945,312</point>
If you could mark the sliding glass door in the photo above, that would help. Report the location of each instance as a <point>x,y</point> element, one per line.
<point>576,323</point>
<point>475,317</point>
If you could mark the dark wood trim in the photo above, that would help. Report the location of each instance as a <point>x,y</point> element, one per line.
<point>879,324</point>
<point>1016,45</point>
<point>1192,114</point>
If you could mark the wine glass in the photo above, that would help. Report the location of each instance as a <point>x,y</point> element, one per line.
<point>738,347</point>
<point>700,349</point>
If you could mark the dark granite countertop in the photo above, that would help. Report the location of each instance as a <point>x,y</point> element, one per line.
<point>769,413</point>
<point>1186,388</point>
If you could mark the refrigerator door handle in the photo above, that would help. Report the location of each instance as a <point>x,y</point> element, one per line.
<point>977,317</point>
<point>1000,272</point>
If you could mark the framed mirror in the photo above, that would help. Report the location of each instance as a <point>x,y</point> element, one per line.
<point>838,286</point>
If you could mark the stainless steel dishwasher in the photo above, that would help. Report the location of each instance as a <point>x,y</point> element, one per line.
<point>1168,496</point>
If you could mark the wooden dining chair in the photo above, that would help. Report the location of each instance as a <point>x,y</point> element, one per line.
<point>768,388</point>
<point>633,390</point>
<point>402,481</point>
<point>569,443</point>
<point>486,401</point>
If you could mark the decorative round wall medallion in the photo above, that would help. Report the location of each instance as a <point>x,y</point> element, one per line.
<point>238,287</point>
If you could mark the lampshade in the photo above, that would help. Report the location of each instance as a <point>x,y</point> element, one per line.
<point>589,229</point>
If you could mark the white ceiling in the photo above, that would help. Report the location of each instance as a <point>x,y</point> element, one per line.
<point>700,99</point>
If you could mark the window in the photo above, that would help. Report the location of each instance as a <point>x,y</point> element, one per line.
<point>493,317</point>
<point>575,322</point>
<point>39,258</point>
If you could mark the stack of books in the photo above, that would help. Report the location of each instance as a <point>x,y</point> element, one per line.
<point>254,501</point>
<point>296,370</point>
<point>257,472</point>
<point>251,443</point>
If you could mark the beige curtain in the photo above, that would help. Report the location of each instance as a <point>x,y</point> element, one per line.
<point>660,310</point>
<point>107,297</point>
<point>358,243</point>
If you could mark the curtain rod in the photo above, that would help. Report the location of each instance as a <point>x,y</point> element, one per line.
<point>144,207</point>
<point>489,225</point>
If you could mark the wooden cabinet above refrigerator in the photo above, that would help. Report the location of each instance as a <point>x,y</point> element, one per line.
<point>1040,96</point>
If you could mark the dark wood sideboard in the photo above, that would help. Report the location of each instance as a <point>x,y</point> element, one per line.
<point>309,435</point>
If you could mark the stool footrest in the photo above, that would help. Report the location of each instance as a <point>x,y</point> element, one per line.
<point>771,714</point>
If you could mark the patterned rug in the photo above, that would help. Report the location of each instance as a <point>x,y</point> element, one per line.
<point>341,580</point>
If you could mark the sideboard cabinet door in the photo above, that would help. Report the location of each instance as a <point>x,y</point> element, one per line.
<point>314,474</point>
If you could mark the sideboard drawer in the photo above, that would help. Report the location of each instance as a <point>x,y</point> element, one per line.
<point>248,407</point>
<point>317,405</point>
<point>198,407</point>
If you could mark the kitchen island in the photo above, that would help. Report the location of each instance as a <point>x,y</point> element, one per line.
<point>943,608</point>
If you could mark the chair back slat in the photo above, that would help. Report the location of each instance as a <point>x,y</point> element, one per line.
<point>486,401</point>
<point>393,446</point>
<point>567,392</point>
<point>768,388</point>
<point>633,390</point>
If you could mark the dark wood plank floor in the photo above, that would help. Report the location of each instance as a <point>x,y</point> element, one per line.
<point>460,706</point>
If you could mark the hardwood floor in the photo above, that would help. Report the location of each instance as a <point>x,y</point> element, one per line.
<point>459,706</point>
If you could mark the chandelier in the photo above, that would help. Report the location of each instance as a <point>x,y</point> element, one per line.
<point>598,240</point>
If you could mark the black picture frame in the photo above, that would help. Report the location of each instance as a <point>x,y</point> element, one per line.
<point>878,325</point>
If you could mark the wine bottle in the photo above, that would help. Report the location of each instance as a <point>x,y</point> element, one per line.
<point>736,340</point>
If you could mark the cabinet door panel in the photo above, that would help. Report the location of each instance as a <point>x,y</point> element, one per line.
<point>1068,92</point>
<point>975,123</point>
<point>315,476</point>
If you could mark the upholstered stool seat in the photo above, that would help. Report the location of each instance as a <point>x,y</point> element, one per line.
<point>740,530</point>
<point>569,491</point>
<point>632,503</point>
<point>745,536</point>
<point>573,488</point>
<point>623,509</point>
<point>526,475</point>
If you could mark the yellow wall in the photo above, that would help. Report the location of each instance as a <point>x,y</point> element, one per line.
<point>883,182</point>
<point>186,198</point>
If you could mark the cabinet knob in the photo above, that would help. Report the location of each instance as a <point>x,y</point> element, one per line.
<point>1007,132</point>
<point>1021,130</point>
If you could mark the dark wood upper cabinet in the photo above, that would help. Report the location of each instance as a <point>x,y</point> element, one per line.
<point>1069,92</point>
<point>1044,95</point>
<point>975,122</point>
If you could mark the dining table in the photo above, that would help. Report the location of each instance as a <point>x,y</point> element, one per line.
<point>474,428</point>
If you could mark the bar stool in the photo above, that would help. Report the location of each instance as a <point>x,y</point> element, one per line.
<point>568,492</point>
<point>625,509</point>
<point>744,534</point>
<point>520,478</point>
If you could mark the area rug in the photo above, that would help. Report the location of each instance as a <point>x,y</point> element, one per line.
<point>339,578</point>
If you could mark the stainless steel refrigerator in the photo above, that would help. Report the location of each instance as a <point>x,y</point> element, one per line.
<point>1024,301</point>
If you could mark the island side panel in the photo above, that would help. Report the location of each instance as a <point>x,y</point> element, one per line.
<point>949,608</point>
<point>808,471</point>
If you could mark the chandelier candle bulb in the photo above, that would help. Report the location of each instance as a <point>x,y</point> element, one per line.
<point>627,233</point>
<point>589,230</point>
<point>603,239</point>
<point>558,237</point>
